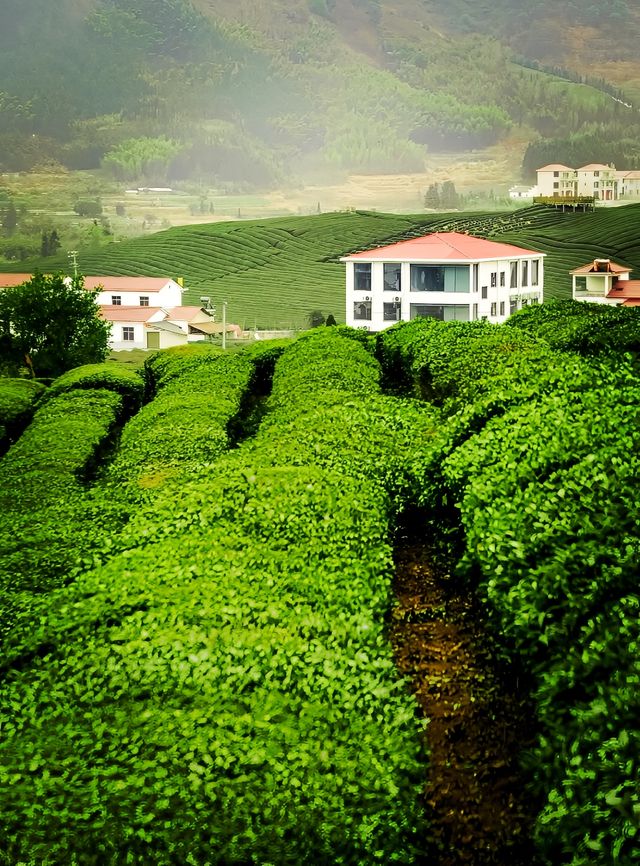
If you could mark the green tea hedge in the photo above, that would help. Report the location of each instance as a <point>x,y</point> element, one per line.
<point>111,376</point>
<point>18,399</point>
<point>222,691</point>
<point>541,461</point>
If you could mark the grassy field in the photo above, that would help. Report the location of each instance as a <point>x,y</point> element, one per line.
<point>273,272</point>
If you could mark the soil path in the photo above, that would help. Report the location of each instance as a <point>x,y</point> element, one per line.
<point>478,722</point>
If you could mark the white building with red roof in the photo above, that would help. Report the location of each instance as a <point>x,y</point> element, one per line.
<point>445,275</point>
<point>605,282</point>
<point>144,312</point>
<point>596,179</point>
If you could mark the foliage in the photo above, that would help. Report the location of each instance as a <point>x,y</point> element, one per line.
<point>112,376</point>
<point>538,460</point>
<point>254,726</point>
<point>582,327</point>
<point>142,159</point>
<point>316,318</point>
<point>51,324</point>
<point>18,398</point>
<point>88,208</point>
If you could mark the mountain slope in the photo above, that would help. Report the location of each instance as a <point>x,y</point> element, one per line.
<point>258,93</point>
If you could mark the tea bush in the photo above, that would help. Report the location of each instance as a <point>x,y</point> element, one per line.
<point>18,399</point>
<point>110,375</point>
<point>221,690</point>
<point>582,327</point>
<point>539,456</point>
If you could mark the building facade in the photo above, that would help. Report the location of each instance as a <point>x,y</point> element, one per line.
<point>445,275</point>
<point>601,181</point>
<point>605,282</point>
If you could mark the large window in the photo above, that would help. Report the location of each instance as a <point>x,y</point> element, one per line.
<point>439,278</point>
<point>391,312</point>
<point>362,310</point>
<point>535,272</point>
<point>127,334</point>
<point>391,278</point>
<point>444,312</point>
<point>525,273</point>
<point>362,277</point>
<point>513,271</point>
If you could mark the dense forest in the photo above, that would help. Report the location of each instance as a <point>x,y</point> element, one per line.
<point>163,91</point>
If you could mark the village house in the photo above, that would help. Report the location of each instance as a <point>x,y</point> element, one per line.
<point>445,275</point>
<point>605,282</point>
<point>602,182</point>
<point>144,312</point>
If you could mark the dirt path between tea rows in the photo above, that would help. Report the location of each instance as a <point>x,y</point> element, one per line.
<point>478,722</point>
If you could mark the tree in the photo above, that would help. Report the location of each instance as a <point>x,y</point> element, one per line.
<point>50,243</point>
<point>432,197</point>
<point>316,318</point>
<point>88,208</point>
<point>51,324</point>
<point>9,220</point>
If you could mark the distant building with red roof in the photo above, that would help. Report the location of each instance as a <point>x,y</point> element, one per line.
<point>144,312</point>
<point>605,282</point>
<point>444,275</point>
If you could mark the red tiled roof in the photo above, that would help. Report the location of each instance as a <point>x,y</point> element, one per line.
<point>122,284</point>
<point>9,280</point>
<point>127,284</point>
<point>443,246</point>
<point>594,166</point>
<point>625,289</point>
<point>556,167</point>
<point>604,266</point>
<point>631,302</point>
<point>117,313</point>
<point>184,313</point>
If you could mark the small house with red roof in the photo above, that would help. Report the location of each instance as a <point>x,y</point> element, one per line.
<point>144,312</point>
<point>445,275</point>
<point>605,282</point>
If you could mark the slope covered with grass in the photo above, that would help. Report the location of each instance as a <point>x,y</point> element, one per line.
<point>273,272</point>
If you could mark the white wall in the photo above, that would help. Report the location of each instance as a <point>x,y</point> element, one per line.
<point>169,296</point>
<point>496,307</point>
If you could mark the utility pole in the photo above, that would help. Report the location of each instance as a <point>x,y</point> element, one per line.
<point>224,324</point>
<point>73,256</point>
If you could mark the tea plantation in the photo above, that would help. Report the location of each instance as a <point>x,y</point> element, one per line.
<point>195,662</point>
<point>274,272</point>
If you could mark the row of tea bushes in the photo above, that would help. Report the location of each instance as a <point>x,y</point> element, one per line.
<point>222,691</point>
<point>587,328</point>
<point>18,399</point>
<point>544,468</point>
<point>46,520</point>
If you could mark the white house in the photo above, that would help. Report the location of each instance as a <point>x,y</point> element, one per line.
<point>446,275</point>
<point>136,291</point>
<point>629,184</point>
<point>556,179</point>
<point>604,282</point>
<point>595,179</point>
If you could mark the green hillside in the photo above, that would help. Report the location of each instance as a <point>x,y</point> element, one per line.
<point>274,272</point>
<point>255,95</point>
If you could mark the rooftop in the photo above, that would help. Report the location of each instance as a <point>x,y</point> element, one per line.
<point>443,246</point>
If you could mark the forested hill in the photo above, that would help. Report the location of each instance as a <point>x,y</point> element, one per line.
<point>250,92</point>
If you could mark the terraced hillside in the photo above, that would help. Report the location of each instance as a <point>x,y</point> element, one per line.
<point>273,272</point>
